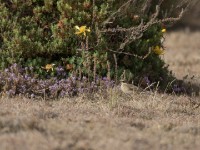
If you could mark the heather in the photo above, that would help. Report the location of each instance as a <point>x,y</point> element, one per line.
<point>16,80</point>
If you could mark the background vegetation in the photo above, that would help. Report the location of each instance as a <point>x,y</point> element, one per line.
<point>84,38</point>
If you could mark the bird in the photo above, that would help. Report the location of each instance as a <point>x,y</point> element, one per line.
<point>128,88</point>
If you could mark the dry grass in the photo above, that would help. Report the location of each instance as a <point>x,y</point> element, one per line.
<point>141,121</point>
<point>183,53</point>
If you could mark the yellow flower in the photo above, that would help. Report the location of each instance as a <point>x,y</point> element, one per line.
<point>164,30</point>
<point>158,50</point>
<point>49,67</point>
<point>82,30</point>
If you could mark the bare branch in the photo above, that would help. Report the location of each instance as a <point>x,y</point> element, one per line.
<point>131,54</point>
<point>146,6</point>
<point>112,16</point>
<point>136,32</point>
<point>93,11</point>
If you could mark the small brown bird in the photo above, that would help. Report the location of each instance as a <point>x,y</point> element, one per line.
<point>128,88</point>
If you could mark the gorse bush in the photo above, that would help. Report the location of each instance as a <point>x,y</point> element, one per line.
<point>91,38</point>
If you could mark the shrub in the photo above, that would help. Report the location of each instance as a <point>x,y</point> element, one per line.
<point>112,38</point>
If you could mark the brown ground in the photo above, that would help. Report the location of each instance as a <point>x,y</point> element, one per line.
<point>143,121</point>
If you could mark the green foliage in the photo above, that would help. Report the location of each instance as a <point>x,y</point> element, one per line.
<point>36,33</point>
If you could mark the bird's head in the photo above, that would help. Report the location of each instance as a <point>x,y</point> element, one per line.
<point>122,81</point>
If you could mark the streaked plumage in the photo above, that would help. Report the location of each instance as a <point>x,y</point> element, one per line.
<point>128,88</point>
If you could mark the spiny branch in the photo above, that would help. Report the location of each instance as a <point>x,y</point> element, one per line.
<point>112,16</point>
<point>131,54</point>
<point>134,33</point>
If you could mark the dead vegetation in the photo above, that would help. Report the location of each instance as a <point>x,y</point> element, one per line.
<point>138,122</point>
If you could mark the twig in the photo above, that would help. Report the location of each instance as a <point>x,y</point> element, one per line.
<point>109,72</point>
<point>112,16</point>
<point>93,12</point>
<point>95,68</point>
<point>137,56</point>
<point>116,67</point>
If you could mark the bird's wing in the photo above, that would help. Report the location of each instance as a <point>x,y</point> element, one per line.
<point>132,87</point>
<point>129,86</point>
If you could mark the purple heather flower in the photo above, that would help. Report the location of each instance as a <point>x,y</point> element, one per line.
<point>105,78</point>
<point>73,78</point>
<point>26,76</point>
<point>11,92</point>
<point>31,67</point>
<point>32,80</point>
<point>28,83</point>
<point>69,80</point>
<point>15,65</point>
<point>60,70</point>
<point>12,75</point>
<point>176,88</point>
<point>62,93</point>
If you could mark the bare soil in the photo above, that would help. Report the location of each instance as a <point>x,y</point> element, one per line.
<point>148,120</point>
